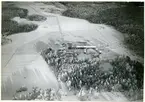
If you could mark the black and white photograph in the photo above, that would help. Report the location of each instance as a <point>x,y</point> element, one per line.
<point>72,50</point>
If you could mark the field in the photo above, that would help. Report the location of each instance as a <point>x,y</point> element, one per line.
<point>125,17</point>
<point>43,59</point>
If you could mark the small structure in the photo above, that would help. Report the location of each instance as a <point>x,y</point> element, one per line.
<point>84,47</point>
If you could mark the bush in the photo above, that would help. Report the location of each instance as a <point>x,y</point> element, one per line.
<point>36,18</point>
<point>23,88</point>
<point>26,28</point>
<point>125,75</point>
<point>10,27</point>
<point>12,11</point>
<point>5,40</point>
<point>130,69</point>
<point>37,94</point>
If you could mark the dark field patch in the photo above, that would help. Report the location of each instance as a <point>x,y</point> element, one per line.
<point>10,27</point>
<point>36,18</point>
<point>123,76</point>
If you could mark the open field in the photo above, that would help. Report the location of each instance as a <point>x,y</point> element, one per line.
<point>37,64</point>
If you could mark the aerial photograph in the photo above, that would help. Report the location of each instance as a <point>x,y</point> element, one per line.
<point>72,51</point>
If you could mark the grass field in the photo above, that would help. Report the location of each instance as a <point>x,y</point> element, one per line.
<point>125,17</point>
